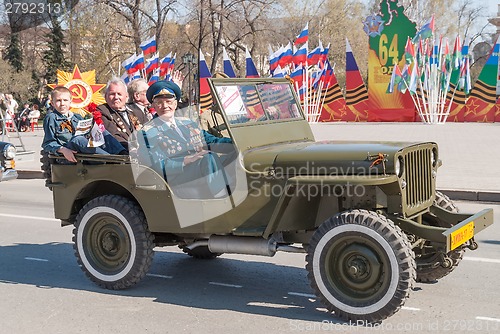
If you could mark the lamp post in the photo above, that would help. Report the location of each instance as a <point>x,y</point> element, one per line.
<point>188,60</point>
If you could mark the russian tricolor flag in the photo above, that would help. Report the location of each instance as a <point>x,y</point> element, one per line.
<point>170,67</point>
<point>125,78</point>
<point>138,64</point>
<point>314,56</point>
<point>165,64</point>
<point>127,63</point>
<point>228,68</point>
<point>324,55</point>
<point>137,75</point>
<point>297,75</point>
<point>152,64</point>
<point>149,46</point>
<point>286,56</point>
<point>274,58</point>
<point>303,36</point>
<point>155,77</point>
<point>279,72</point>
<point>300,57</point>
<point>251,70</point>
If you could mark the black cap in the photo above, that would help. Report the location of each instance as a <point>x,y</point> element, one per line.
<point>163,88</point>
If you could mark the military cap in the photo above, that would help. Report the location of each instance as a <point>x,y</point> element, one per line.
<point>163,88</point>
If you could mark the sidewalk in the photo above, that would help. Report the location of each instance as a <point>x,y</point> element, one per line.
<point>470,152</point>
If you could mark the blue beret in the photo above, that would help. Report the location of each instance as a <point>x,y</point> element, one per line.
<point>163,88</point>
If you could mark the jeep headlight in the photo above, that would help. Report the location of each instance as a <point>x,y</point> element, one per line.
<point>399,166</point>
<point>9,152</point>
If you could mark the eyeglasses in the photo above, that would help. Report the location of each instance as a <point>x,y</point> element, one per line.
<point>167,102</point>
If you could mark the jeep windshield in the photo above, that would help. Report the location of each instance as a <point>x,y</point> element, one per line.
<point>257,101</point>
<point>260,112</point>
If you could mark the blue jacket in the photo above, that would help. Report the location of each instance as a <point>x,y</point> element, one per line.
<point>167,148</point>
<point>58,130</point>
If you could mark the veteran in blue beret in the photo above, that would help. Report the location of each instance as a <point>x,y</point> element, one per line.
<point>181,151</point>
<point>165,89</point>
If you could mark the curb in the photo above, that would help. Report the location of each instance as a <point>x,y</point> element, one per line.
<point>472,195</point>
<point>461,195</point>
<point>29,174</point>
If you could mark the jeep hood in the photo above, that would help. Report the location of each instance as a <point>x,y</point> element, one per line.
<point>324,158</point>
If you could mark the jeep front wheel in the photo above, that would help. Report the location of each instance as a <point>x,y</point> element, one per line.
<point>361,266</point>
<point>112,242</point>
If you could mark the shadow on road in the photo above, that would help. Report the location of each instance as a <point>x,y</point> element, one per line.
<point>194,283</point>
<point>491,242</point>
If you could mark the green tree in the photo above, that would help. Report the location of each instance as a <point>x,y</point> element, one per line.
<point>13,53</point>
<point>53,57</point>
<point>17,83</point>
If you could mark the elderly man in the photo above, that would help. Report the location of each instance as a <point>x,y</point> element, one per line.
<point>183,153</point>
<point>119,120</point>
<point>137,98</point>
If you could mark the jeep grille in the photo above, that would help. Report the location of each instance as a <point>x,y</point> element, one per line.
<point>419,189</point>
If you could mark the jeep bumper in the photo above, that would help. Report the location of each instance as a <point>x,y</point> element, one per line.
<point>467,229</point>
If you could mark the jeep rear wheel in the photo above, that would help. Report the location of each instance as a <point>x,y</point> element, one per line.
<point>112,242</point>
<point>429,268</point>
<point>361,266</point>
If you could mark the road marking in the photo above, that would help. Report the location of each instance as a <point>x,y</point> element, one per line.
<point>28,217</point>
<point>482,259</point>
<point>410,308</point>
<point>159,276</point>
<point>488,319</point>
<point>272,305</point>
<point>307,295</point>
<point>226,285</point>
<point>36,259</point>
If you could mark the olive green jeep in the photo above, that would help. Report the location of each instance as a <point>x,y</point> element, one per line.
<point>367,216</point>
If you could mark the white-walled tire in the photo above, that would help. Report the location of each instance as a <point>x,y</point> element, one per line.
<point>361,266</point>
<point>112,242</point>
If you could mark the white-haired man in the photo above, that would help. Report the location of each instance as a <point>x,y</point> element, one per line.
<point>138,101</point>
<point>119,120</point>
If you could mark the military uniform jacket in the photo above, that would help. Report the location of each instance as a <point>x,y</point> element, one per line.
<point>117,126</point>
<point>168,148</point>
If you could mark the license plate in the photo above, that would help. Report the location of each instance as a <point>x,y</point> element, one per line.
<point>461,235</point>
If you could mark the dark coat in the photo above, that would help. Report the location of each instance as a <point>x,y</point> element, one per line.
<point>117,126</point>
<point>143,117</point>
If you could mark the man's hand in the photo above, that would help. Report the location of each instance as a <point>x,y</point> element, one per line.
<point>189,159</point>
<point>178,78</point>
<point>68,154</point>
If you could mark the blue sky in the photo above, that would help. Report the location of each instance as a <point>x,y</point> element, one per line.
<point>492,5</point>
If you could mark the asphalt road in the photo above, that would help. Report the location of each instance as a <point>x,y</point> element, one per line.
<point>42,289</point>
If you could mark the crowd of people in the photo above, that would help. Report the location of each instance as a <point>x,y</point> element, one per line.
<point>12,117</point>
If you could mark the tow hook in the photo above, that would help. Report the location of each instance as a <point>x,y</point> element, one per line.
<point>446,261</point>
<point>472,244</point>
